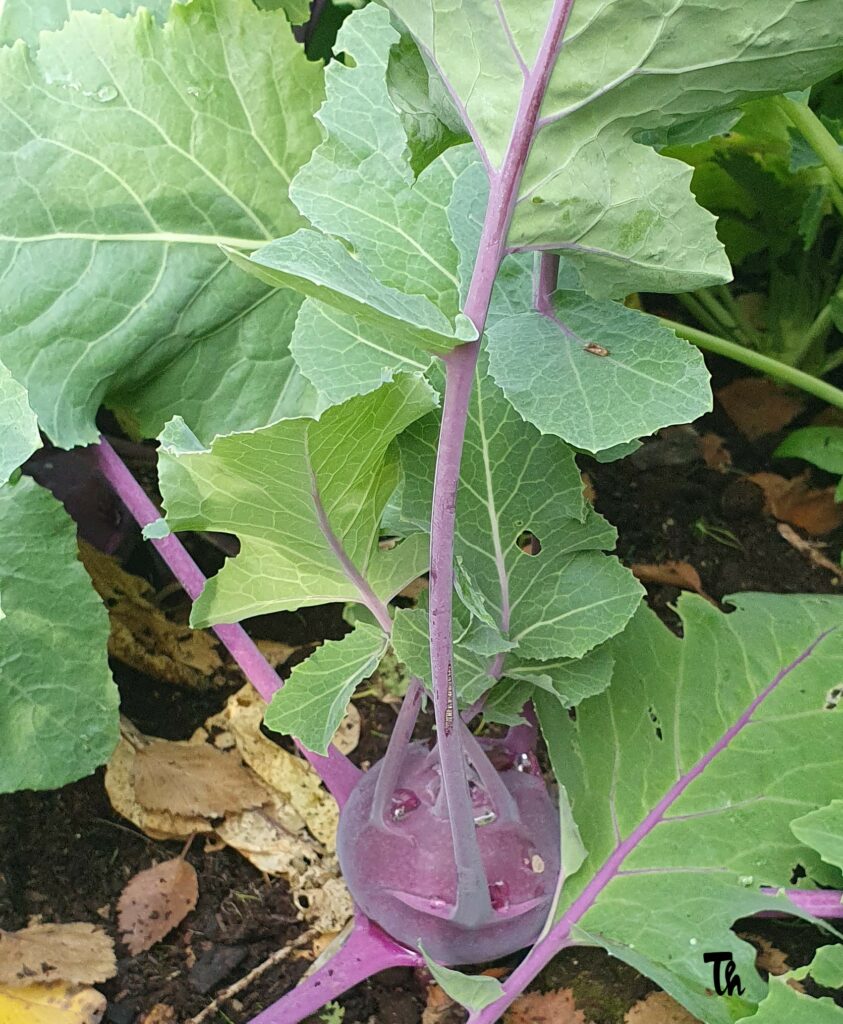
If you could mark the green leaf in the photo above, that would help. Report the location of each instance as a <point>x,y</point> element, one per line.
<point>120,286</point>
<point>683,781</point>
<point>359,185</point>
<point>473,991</point>
<point>640,378</point>
<point>19,435</point>
<point>298,11</point>
<point>826,968</point>
<point>569,680</point>
<point>822,830</point>
<point>429,118</point>
<point>23,19</point>
<point>619,210</point>
<point>58,704</point>
<point>558,603</point>
<point>311,704</point>
<point>305,498</point>
<point>822,446</point>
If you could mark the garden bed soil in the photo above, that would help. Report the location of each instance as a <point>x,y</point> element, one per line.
<point>66,856</point>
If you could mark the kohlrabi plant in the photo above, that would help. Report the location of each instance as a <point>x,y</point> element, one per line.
<point>371,311</point>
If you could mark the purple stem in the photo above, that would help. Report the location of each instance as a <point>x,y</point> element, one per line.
<point>559,935</point>
<point>473,903</point>
<point>545,282</point>
<point>335,770</point>
<point>366,951</point>
<point>396,751</point>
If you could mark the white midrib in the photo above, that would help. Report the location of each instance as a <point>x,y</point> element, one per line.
<point>157,237</point>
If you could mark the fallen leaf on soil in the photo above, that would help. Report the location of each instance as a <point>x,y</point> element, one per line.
<point>288,775</point>
<point>671,574</point>
<point>155,901</point>
<point>194,779</point>
<point>758,406</point>
<point>347,735</point>
<point>51,1004</point>
<point>120,786</point>
<point>78,954</point>
<point>715,453</point>
<point>440,1008</point>
<point>792,501</point>
<point>414,590</point>
<point>810,549</point>
<point>545,1008</point>
<point>767,957</point>
<point>161,1013</point>
<point>143,637</point>
<point>658,1008</point>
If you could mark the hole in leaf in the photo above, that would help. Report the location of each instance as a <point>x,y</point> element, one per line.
<point>797,873</point>
<point>654,718</point>
<point>833,697</point>
<point>529,543</point>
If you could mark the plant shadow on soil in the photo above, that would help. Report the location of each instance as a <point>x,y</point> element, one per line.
<point>65,855</point>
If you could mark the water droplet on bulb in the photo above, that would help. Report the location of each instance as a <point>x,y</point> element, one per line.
<point>484,812</point>
<point>106,93</point>
<point>528,763</point>
<point>403,801</point>
<point>499,894</point>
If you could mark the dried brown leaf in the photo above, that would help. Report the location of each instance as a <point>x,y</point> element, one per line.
<point>758,406</point>
<point>161,1013</point>
<point>79,954</point>
<point>290,777</point>
<point>194,779</point>
<point>556,1007</point>
<point>715,453</point>
<point>155,901</point>
<point>671,574</point>
<point>658,1008</point>
<point>51,1004</point>
<point>794,502</point>
<point>810,549</point>
<point>120,786</point>
<point>440,1008</point>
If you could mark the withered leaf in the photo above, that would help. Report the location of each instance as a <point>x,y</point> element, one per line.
<point>51,1004</point>
<point>658,1008</point>
<point>120,786</point>
<point>672,574</point>
<point>194,779</point>
<point>758,406</point>
<point>75,953</point>
<point>794,502</point>
<point>347,735</point>
<point>155,901</point>
<point>557,1007</point>
<point>715,453</point>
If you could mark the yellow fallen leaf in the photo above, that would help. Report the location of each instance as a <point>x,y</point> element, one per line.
<point>51,1004</point>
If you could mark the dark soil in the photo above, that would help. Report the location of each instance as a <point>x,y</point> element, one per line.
<point>65,856</point>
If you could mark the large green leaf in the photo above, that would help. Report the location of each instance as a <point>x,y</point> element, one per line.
<point>128,152</point>
<point>823,831</point>
<point>684,777</point>
<point>58,704</point>
<point>23,19</point>
<point>18,427</point>
<point>621,211</point>
<point>311,704</point>
<point>564,600</point>
<point>305,498</point>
